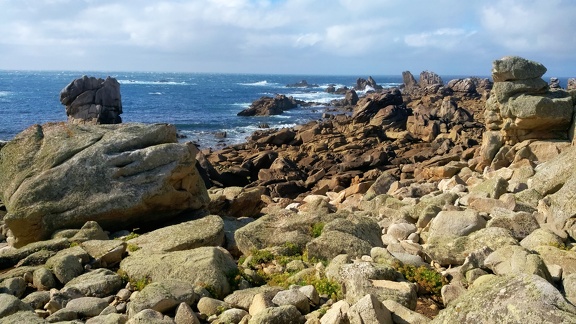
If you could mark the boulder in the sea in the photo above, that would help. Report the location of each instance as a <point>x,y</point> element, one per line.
<point>89,100</point>
<point>61,175</point>
<point>267,106</point>
<point>302,84</point>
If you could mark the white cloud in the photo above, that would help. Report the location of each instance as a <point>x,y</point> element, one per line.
<point>445,38</point>
<point>266,35</point>
<point>531,26</point>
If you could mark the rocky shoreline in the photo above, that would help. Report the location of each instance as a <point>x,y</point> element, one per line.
<point>434,203</point>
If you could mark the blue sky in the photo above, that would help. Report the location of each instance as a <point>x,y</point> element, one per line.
<point>377,37</point>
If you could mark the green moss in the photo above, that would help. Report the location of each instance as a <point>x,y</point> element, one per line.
<point>132,247</point>
<point>139,284</point>
<point>130,236</point>
<point>427,279</point>
<point>316,229</point>
<point>260,257</point>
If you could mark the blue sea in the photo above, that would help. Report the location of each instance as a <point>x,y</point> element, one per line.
<point>200,105</point>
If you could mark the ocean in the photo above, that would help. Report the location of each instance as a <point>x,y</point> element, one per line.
<point>199,104</point>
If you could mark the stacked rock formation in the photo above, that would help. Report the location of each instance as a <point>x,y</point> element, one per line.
<point>522,107</point>
<point>89,100</point>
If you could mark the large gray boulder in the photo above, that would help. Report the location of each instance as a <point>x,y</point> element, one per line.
<point>61,175</point>
<point>209,267</point>
<point>163,296</point>
<point>511,68</point>
<point>450,250</point>
<point>517,298</point>
<point>92,100</point>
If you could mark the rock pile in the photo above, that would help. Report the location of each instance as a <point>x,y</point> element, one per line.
<point>385,226</point>
<point>89,100</point>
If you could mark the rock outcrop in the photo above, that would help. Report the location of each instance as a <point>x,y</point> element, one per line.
<point>61,175</point>
<point>89,100</point>
<point>267,106</point>
<point>521,107</point>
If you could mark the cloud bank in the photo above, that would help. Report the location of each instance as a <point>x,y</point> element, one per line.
<point>286,36</point>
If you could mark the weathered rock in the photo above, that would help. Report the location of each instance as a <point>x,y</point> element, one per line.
<point>211,306</point>
<point>22,317</point>
<point>92,100</point>
<point>354,236</point>
<point>541,237</point>
<point>370,105</point>
<point>108,253</point>
<point>514,259</point>
<point>453,250</point>
<point>243,298</point>
<point>428,78</point>
<point>185,315</point>
<point>559,209</point>
<point>509,299</point>
<point>150,316</point>
<point>401,314</point>
<point>233,315</point>
<point>62,315</point>
<point>55,175</point>
<point>236,201</point>
<point>163,296</point>
<point>520,224</point>
<point>455,223</point>
<point>293,297</point>
<point>207,231</point>
<point>108,319</point>
<point>266,106</point>
<point>89,231</point>
<point>555,256</point>
<point>87,306</point>
<point>37,299</point>
<point>13,286</point>
<point>287,314</point>
<point>516,68</point>
<point>208,266</point>
<point>10,304</point>
<point>337,314</point>
<point>96,283</point>
<point>10,256</point>
<point>369,310</point>
<point>65,267</point>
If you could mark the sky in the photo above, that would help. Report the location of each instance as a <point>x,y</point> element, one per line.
<point>334,37</point>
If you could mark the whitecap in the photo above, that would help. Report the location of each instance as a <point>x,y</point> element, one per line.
<point>320,97</point>
<point>259,83</point>
<point>5,93</point>
<point>155,93</point>
<point>151,82</point>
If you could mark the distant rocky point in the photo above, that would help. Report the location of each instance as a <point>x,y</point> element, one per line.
<point>89,100</point>
<point>302,84</point>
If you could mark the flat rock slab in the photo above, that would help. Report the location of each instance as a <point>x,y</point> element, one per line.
<point>205,266</point>
<point>207,231</point>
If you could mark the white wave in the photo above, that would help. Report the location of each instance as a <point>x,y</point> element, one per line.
<point>5,93</point>
<point>260,84</point>
<point>320,97</point>
<point>151,82</point>
<point>242,104</point>
<point>155,93</point>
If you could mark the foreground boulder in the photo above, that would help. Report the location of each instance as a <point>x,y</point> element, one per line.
<point>61,175</point>
<point>509,299</point>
